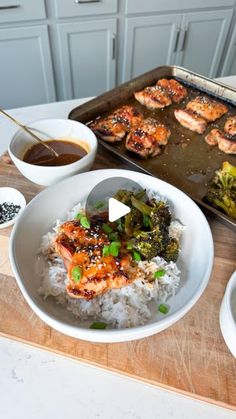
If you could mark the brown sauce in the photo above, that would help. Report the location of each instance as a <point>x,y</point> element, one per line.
<point>69,152</point>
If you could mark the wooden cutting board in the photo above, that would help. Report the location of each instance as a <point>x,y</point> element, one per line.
<point>190,357</point>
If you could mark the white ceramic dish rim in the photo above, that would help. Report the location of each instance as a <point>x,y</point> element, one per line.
<point>21,202</point>
<point>114,335</point>
<point>226,316</point>
<point>55,168</point>
<point>231,284</point>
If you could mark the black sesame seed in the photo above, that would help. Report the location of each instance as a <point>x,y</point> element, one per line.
<point>8,211</point>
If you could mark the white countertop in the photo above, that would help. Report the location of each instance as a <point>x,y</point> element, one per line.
<point>37,384</point>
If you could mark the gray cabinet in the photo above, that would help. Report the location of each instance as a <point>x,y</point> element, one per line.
<point>26,67</point>
<point>202,40</point>
<point>150,41</point>
<point>64,49</point>
<point>87,57</point>
<point>192,40</point>
<point>229,66</point>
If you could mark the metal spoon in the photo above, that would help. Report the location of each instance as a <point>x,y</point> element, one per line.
<point>30,132</point>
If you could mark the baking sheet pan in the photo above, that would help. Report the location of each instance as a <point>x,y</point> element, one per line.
<point>187,161</point>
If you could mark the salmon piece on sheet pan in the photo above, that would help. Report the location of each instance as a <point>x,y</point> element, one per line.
<point>147,138</point>
<point>207,108</point>
<point>114,127</point>
<point>153,97</point>
<point>225,142</point>
<point>175,90</point>
<point>190,120</point>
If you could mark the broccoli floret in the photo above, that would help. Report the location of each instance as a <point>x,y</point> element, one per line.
<point>147,226</point>
<point>133,222</point>
<point>171,251</point>
<point>151,243</point>
<point>158,211</point>
<point>160,214</point>
<point>221,192</point>
<point>125,196</point>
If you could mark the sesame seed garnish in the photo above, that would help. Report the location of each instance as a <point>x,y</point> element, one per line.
<point>8,211</point>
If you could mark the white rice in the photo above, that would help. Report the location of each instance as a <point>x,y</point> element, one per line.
<point>125,307</point>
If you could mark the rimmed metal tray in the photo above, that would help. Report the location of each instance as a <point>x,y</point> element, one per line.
<point>187,162</point>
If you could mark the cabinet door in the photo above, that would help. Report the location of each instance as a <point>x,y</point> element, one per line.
<point>202,40</point>
<point>26,67</point>
<point>87,53</point>
<point>229,67</point>
<point>149,42</point>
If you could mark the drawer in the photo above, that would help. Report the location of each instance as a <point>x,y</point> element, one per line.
<point>147,6</point>
<point>19,10</point>
<point>70,8</point>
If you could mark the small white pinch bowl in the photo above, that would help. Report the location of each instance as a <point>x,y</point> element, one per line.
<point>47,129</point>
<point>228,315</point>
<point>15,197</point>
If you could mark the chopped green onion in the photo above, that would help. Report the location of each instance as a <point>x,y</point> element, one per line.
<point>114,248</point>
<point>78,216</point>
<point>146,220</point>
<point>84,222</point>
<point>98,325</point>
<point>99,204</point>
<point>113,236</point>
<point>163,308</point>
<point>77,273</point>
<point>129,246</point>
<point>107,229</point>
<point>106,250</point>
<point>159,274</point>
<point>136,256</point>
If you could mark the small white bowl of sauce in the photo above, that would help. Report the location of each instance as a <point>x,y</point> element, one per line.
<point>74,142</point>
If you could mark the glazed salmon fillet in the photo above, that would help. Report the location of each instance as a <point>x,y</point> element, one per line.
<point>175,90</point>
<point>190,120</point>
<point>82,250</point>
<point>129,116</point>
<point>153,97</point>
<point>225,142</point>
<point>147,138</point>
<point>230,125</point>
<point>207,108</point>
<point>199,112</point>
<point>114,127</point>
<point>109,129</point>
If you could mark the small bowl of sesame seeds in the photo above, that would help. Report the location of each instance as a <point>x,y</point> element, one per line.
<point>12,202</point>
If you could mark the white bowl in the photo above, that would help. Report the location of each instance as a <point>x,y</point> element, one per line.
<point>228,315</point>
<point>59,129</point>
<point>15,197</point>
<point>196,257</point>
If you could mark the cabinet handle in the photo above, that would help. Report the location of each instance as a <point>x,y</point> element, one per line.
<point>113,46</point>
<point>13,6</point>
<point>177,39</point>
<point>86,1</point>
<point>184,39</point>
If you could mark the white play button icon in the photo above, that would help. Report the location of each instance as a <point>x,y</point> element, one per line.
<point>116,209</point>
<point>101,199</point>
